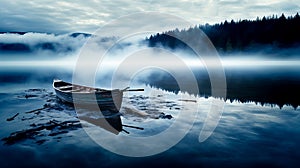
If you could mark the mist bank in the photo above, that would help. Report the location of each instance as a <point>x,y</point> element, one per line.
<point>275,37</point>
<point>270,36</point>
<point>31,42</point>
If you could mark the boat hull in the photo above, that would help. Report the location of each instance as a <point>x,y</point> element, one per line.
<point>89,97</point>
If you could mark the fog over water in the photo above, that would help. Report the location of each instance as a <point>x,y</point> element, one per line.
<point>258,127</point>
<point>244,71</point>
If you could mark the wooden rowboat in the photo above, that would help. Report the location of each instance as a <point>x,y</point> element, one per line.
<point>88,96</point>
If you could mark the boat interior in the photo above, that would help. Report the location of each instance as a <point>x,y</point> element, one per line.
<point>68,87</point>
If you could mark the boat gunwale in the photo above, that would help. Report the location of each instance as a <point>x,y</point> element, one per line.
<point>91,90</point>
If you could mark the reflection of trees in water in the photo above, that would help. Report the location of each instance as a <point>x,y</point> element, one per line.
<point>244,88</point>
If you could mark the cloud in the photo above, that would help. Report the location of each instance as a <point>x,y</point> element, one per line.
<point>88,15</point>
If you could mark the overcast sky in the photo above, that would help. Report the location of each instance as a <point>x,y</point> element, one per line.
<point>64,16</point>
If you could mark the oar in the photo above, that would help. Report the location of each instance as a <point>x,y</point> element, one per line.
<point>140,128</point>
<point>125,131</point>
<point>132,90</point>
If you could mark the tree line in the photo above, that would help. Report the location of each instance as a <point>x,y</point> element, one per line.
<point>239,36</point>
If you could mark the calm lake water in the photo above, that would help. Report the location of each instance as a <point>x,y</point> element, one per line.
<point>247,135</point>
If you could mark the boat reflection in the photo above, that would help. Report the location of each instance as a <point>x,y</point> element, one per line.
<point>108,121</point>
<point>111,123</point>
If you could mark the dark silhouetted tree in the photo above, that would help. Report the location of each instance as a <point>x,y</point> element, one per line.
<point>241,36</point>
